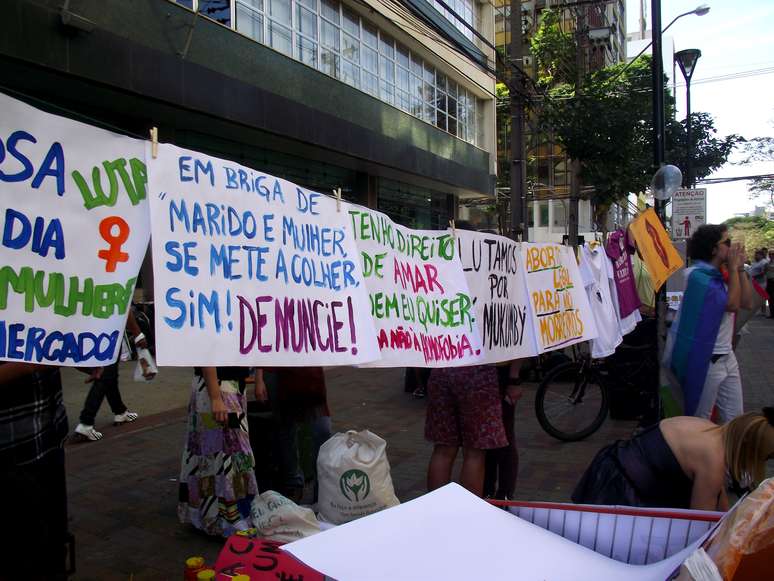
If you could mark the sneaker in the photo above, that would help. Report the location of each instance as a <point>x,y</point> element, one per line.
<point>125,418</point>
<point>88,432</point>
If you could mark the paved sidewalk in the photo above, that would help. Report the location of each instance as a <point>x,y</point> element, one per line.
<point>123,489</point>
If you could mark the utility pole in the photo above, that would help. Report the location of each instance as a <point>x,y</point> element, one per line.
<point>575,183</point>
<point>516,92</point>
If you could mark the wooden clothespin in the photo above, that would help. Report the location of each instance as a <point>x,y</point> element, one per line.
<point>337,195</point>
<point>451,225</point>
<point>154,135</point>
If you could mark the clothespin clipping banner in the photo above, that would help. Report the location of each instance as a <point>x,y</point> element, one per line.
<point>454,231</point>
<point>337,195</point>
<point>154,135</point>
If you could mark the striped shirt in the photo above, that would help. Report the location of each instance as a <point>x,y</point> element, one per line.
<point>33,421</point>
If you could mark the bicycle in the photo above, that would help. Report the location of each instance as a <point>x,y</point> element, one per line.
<point>573,400</point>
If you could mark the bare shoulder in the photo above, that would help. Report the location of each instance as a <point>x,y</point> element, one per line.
<point>697,446</point>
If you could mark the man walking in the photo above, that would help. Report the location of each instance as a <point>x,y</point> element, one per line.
<point>699,350</point>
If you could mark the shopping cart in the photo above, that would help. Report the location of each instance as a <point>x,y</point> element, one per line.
<point>637,536</point>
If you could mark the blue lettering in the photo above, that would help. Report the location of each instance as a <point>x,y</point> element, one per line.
<point>174,303</point>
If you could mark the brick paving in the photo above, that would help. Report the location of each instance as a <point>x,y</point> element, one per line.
<point>123,489</point>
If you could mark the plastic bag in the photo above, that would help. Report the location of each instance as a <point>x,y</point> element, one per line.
<point>354,477</point>
<point>743,546</point>
<point>146,369</point>
<point>280,519</point>
<point>126,350</point>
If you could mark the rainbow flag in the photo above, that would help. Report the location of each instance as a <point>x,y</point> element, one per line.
<point>694,331</point>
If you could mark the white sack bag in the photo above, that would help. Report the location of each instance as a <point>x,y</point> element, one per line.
<point>280,519</point>
<point>354,477</point>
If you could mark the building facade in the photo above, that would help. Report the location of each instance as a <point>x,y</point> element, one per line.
<point>391,101</point>
<point>548,169</point>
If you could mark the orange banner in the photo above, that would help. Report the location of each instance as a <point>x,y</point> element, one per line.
<point>656,248</point>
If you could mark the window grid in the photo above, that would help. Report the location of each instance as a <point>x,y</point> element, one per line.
<point>464,8</point>
<point>338,42</point>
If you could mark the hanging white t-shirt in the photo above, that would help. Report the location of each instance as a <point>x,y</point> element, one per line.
<point>595,271</point>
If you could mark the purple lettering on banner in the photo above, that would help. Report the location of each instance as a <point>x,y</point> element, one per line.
<point>245,306</point>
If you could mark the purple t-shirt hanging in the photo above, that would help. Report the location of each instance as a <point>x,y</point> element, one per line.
<point>619,249</point>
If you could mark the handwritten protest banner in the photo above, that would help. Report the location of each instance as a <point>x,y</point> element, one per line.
<point>497,281</point>
<point>250,269</point>
<point>560,309</point>
<point>74,233</point>
<point>422,310</point>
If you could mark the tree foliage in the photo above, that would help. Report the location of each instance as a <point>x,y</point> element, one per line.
<point>754,231</point>
<point>604,121</point>
<point>760,149</point>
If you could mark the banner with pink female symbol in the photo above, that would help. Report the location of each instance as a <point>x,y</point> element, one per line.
<point>74,229</point>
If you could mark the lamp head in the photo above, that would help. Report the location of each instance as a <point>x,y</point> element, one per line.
<point>701,10</point>
<point>666,181</point>
<point>687,60</point>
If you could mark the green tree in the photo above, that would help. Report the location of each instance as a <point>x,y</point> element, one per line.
<point>604,121</point>
<point>760,149</point>
<point>754,231</point>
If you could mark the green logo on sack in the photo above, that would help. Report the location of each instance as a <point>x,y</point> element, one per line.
<point>356,484</point>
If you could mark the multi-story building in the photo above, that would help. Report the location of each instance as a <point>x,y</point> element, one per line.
<point>548,169</point>
<point>390,100</point>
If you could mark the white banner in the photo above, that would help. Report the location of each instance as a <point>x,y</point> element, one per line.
<point>420,303</point>
<point>74,233</point>
<point>560,309</point>
<point>252,270</point>
<point>497,281</point>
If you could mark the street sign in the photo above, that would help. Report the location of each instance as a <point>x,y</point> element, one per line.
<point>689,211</point>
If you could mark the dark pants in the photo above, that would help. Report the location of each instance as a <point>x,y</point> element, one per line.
<point>502,464</point>
<point>106,386</point>
<point>770,291</point>
<point>35,514</point>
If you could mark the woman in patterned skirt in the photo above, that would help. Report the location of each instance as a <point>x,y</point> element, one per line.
<point>217,477</point>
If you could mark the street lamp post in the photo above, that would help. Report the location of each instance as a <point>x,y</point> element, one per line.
<point>687,60</point>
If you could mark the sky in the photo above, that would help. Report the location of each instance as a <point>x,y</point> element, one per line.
<point>735,36</point>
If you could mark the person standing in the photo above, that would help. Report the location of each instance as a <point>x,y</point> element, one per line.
<point>464,410</point>
<point>502,464</point>
<point>700,346</point>
<point>107,387</point>
<point>217,475</point>
<point>33,428</point>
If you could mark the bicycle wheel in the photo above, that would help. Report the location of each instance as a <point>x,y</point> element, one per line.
<point>571,403</point>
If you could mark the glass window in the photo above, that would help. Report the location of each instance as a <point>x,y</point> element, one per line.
<point>329,62</point>
<point>306,22</point>
<point>402,55</point>
<point>387,92</point>
<point>387,71</point>
<point>187,3</point>
<point>403,79</point>
<point>416,65</point>
<point>350,73</point>
<point>279,11</point>
<point>440,82</point>
<point>330,10</point>
<point>306,51</point>
<point>311,4</point>
<point>279,37</point>
<point>351,48</point>
<point>440,100</point>
<point>386,46</point>
<point>370,83</point>
<point>329,35</point>
<point>440,119</point>
<point>560,214</point>
<point>351,23</point>
<point>249,22</point>
<point>543,213</point>
<point>429,75</point>
<point>218,10</point>
<point>402,100</point>
<point>370,35</point>
<point>369,60</point>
